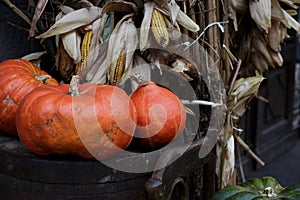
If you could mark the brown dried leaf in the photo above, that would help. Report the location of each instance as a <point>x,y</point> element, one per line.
<point>276,11</point>
<point>289,3</point>
<point>260,12</point>
<point>274,36</point>
<point>258,61</point>
<point>244,90</point>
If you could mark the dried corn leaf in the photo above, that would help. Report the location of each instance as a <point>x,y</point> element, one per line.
<point>283,32</point>
<point>260,45</point>
<point>274,36</point>
<point>72,21</point>
<point>244,89</point>
<point>291,22</point>
<point>260,11</point>
<point>277,58</point>
<point>289,3</point>
<point>145,26</point>
<point>259,62</point>
<point>292,12</point>
<point>120,6</point>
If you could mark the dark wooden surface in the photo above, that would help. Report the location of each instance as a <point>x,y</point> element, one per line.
<point>24,175</point>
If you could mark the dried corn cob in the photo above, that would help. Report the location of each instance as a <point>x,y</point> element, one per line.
<point>117,71</point>
<point>159,28</point>
<point>81,67</point>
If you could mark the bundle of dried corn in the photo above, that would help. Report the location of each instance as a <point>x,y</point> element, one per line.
<point>106,41</point>
<point>262,27</point>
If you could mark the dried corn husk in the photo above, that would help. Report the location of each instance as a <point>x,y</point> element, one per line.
<point>173,9</point>
<point>145,26</point>
<point>260,11</point>
<point>187,22</point>
<point>64,62</point>
<point>227,166</point>
<point>72,21</point>
<point>244,89</point>
<point>71,42</point>
<point>123,38</point>
<point>98,70</point>
<point>94,51</point>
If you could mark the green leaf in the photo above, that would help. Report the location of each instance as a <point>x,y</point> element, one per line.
<point>244,196</point>
<point>229,192</point>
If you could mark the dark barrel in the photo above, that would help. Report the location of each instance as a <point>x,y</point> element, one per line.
<point>24,175</point>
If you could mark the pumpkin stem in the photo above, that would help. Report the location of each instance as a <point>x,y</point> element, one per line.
<point>139,79</point>
<point>269,192</point>
<point>42,78</point>
<point>73,88</point>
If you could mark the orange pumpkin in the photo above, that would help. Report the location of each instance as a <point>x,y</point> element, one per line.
<point>98,122</point>
<point>17,78</point>
<point>160,116</point>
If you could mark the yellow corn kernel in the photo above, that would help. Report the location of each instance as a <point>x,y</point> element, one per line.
<point>85,49</point>
<point>159,28</point>
<point>117,71</point>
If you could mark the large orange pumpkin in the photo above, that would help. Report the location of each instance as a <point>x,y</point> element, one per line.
<point>160,116</point>
<point>17,78</point>
<point>98,122</point>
